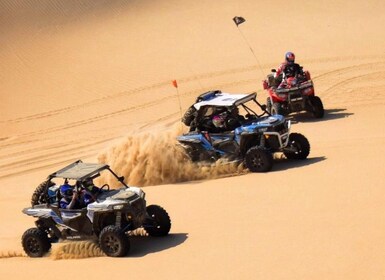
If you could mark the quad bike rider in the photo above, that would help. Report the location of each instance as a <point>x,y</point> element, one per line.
<point>291,90</point>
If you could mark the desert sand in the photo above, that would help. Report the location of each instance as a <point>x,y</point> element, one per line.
<point>91,80</point>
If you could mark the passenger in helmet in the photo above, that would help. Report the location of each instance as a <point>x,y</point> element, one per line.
<point>70,198</point>
<point>218,121</point>
<point>290,70</point>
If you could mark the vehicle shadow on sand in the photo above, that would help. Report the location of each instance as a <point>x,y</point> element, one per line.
<point>143,245</point>
<point>330,114</point>
<point>281,164</point>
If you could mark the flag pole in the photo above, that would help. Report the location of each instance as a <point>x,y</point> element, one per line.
<point>175,84</point>
<point>238,21</point>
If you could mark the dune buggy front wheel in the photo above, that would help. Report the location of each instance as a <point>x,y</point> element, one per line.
<point>298,147</point>
<point>159,222</point>
<point>114,242</point>
<point>258,160</point>
<point>35,242</point>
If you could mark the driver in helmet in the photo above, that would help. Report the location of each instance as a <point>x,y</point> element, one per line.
<point>70,198</point>
<point>219,123</point>
<point>228,120</point>
<point>89,192</point>
<point>290,71</point>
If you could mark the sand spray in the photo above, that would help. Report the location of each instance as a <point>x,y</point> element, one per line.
<point>155,157</point>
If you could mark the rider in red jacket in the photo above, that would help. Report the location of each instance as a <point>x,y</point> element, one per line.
<point>290,70</point>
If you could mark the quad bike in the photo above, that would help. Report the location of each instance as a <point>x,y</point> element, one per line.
<point>298,95</point>
<point>253,141</point>
<point>105,221</point>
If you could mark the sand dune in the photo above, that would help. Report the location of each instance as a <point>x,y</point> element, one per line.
<point>91,80</point>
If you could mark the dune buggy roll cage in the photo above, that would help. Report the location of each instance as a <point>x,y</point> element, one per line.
<point>81,171</point>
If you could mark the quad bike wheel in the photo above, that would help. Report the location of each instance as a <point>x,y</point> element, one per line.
<point>317,107</point>
<point>35,242</point>
<point>114,242</point>
<point>300,144</point>
<point>160,223</point>
<point>258,160</point>
<point>268,105</point>
<point>277,109</point>
<point>39,196</point>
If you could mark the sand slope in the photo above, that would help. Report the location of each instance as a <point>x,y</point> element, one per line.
<point>92,80</point>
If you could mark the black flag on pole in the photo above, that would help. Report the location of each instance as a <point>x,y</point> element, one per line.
<point>238,20</point>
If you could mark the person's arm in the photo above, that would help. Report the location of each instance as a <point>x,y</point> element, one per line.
<point>71,205</point>
<point>279,70</point>
<point>94,192</point>
<point>63,204</point>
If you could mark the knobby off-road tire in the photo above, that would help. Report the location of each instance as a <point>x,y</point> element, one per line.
<point>276,109</point>
<point>114,242</point>
<point>189,116</point>
<point>161,223</point>
<point>258,160</point>
<point>193,153</point>
<point>302,145</point>
<point>317,107</point>
<point>35,242</point>
<point>39,196</point>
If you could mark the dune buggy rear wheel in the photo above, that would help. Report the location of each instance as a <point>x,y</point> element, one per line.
<point>299,147</point>
<point>159,223</point>
<point>189,116</point>
<point>114,242</point>
<point>258,160</point>
<point>35,242</point>
<point>39,196</point>
<point>317,107</point>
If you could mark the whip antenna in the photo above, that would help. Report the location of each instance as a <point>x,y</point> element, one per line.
<point>175,84</point>
<point>238,21</point>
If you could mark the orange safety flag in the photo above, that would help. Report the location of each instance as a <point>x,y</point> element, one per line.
<point>174,83</point>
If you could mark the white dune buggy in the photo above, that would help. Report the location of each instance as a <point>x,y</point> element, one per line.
<point>108,220</point>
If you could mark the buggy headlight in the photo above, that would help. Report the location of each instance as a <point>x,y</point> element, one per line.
<point>117,206</point>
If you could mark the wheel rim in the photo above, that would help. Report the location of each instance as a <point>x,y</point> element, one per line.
<point>257,162</point>
<point>112,244</point>
<point>33,245</point>
<point>297,147</point>
<point>156,221</point>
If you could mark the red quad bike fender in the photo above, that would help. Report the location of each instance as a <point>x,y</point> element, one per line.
<point>275,98</point>
<point>308,89</point>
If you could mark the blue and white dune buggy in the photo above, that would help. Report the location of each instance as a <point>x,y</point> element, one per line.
<point>251,139</point>
<point>106,220</point>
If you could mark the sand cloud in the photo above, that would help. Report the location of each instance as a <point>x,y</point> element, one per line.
<point>153,158</point>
